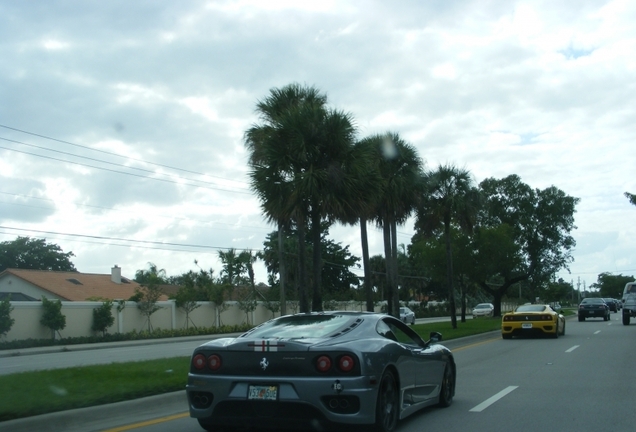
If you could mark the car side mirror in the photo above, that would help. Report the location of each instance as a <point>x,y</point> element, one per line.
<point>435,337</point>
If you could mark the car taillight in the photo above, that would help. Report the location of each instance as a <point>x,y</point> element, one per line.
<point>346,363</point>
<point>198,361</point>
<point>323,364</point>
<point>546,317</point>
<point>214,362</point>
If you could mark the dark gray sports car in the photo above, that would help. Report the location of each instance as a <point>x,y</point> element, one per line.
<point>319,371</point>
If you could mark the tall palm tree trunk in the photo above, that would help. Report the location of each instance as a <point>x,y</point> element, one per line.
<point>368,290</point>
<point>449,274</point>
<point>302,268</point>
<point>316,304</point>
<point>386,231</point>
<point>394,269</point>
<point>281,270</point>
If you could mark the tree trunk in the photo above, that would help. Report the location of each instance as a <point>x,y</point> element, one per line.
<point>368,290</point>
<point>394,268</point>
<point>303,301</point>
<point>388,262</point>
<point>281,270</point>
<point>317,261</point>
<point>449,275</point>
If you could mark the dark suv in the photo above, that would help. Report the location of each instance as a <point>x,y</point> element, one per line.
<point>612,303</point>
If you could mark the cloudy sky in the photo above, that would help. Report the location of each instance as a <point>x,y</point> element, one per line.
<point>121,122</point>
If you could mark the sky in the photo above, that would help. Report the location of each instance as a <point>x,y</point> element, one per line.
<point>122,122</point>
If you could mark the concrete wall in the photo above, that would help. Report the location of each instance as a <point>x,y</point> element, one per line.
<point>79,318</point>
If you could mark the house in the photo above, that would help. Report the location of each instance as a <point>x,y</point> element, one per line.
<point>30,285</point>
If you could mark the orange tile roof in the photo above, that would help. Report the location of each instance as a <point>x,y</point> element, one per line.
<point>64,284</point>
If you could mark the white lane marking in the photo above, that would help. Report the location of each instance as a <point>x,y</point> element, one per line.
<point>573,348</point>
<point>485,404</point>
<point>597,332</point>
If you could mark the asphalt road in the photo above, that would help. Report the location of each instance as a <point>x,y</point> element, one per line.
<point>582,381</point>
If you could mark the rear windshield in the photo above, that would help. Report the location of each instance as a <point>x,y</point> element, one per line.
<point>531,308</point>
<point>303,326</point>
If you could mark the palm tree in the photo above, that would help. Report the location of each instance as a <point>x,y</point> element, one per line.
<point>273,169</point>
<point>400,169</point>
<point>450,197</point>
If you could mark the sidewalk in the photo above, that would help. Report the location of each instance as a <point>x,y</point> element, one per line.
<point>94,346</point>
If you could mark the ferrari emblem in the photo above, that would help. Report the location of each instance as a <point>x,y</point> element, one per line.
<point>264,363</point>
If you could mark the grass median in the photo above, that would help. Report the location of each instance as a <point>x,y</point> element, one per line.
<point>32,393</point>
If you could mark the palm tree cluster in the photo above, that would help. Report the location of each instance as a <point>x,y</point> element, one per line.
<point>307,167</point>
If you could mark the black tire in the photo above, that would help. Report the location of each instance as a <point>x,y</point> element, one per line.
<point>581,318</point>
<point>556,331</point>
<point>563,332</point>
<point>625,319</point>
<point>206,426</point>
<point>447,391</point>
<point>506,336</point>
<point>387,406</point>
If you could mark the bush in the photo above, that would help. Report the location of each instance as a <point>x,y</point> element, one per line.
<point>117,337</point>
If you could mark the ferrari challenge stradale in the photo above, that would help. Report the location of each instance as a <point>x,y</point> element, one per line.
<point>319,371</point>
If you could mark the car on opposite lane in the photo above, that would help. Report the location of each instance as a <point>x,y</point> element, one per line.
<point>319,370</point>
<point>593,307</point>
<point>483,309</point>
<point>407,315</point>
<point>532,319</point>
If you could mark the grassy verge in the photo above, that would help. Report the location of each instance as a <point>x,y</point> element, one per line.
<point>31,393</point>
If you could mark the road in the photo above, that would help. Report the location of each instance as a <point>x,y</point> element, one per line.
<point>582,381</point>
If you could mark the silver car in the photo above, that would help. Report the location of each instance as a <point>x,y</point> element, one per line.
<point>319,371</point>
<point>407,315</point>
<point>483,309</point>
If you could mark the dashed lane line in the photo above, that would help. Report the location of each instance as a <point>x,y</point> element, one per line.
<point>491,400</point>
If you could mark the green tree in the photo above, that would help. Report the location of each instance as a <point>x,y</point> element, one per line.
<point>52,316</point>
<point>400,169</point>
<point>538,245</point>
<point>6,322</point>
<point>234,268</point>
<point>149,293</point>
<point>187,296</point>
<point>34,254</point>
<point>610,285</point>
<point>103,317</point>
<point>631,198</point>
<point>273,169</point>
<point>450,197</point>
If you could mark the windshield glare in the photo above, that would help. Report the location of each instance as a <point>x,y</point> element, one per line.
<point>298,327</point>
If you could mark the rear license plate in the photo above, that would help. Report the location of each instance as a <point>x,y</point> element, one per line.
<point>259,392</point>
<point>526,325</point>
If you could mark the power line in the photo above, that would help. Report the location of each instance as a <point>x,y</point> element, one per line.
<point>111,153</point>
<point>98,160</point>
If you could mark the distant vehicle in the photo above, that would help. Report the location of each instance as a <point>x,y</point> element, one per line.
<point>533,319</point>
<point>407,315</point>
<point>483,309</point>
<point>318,370</point>
<point>629,302</point>
<point>612,304</point>
<point>593,307</point>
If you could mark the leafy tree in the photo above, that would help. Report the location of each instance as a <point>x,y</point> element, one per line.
<point>34,254</point>
<point>6,322</point>
<point>247,303</point>
<point>217,296</point>
<point>631,198</point>
<point>400,170</point>
<point>234,268</point>
<point>534,226</point>
<point>188,296</point>
<point>52,316</point>
<point>611,286</point>
<point>273,168</point>
<point>103,317</point>
<point>149,293</point>
<point>557,291</point>
<point>449,198</point>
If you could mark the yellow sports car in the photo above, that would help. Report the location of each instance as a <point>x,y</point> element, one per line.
<point>532,319</point>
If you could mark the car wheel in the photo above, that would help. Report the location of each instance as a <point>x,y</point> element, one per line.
<point>506,336</point>
<point>448,388</point>
<point>563,329</point>
<point>581,319</point>
<point>386,411</point>
<point>556,331</point>
<point>625,319</point>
